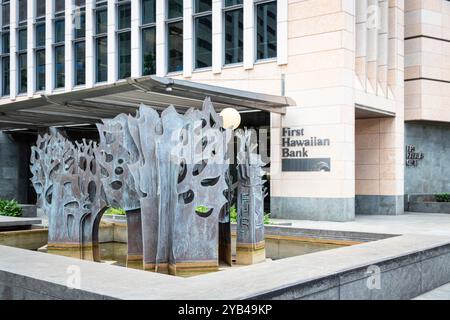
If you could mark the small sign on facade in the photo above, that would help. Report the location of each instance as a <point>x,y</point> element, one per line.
<point>412,156</point>
<point>302,152</point>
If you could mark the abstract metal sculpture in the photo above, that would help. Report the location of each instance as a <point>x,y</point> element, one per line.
<point>168,172</point>
<point>250,244</point>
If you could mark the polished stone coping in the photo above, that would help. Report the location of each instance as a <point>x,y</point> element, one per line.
<point>112,282</point>
<point>16,222</point>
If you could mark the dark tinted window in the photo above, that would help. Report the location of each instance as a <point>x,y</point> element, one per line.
<point>148,11</point>
<point>124,16</point>
<point>124,55</point>
<point>202,5</point>
<point>22,41</point>
<point>40,35</point>
<point>59,31</point>
<point>101,21</point>
<point>23,73</point>
<point>149,51</point>
<point>59,67</point>
<point>101,51</point>
<point>22,10</point>
<point>40,8</point>
<point>175,46</point>
<point>5,76</point>
<point>40,70</point>
<point>5,43</point>
<point>80,63</point>
<point>60,5</point>
<point>203,42</point>
<point>266,24</point>
<point>174,8</point>
<point>234,36</point>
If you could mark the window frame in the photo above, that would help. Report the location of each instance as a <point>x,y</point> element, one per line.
<point>120,32</point>
<point>226,9</point>
<point>76,41</point>
<point>100,5</point>
<point>3,56</point>
<point>169,21</point>
<point>143,27</point>
<point>196,16</point>
<point>257,3</point>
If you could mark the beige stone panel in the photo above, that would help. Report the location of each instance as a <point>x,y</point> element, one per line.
<point>319,79</point>
<point>311,8</point>
<point>367,187</point>
<point>367,157</point>
<point>367,141</point>
<point>308,188</point>
<point>318,61</point>
<point>319,24</point>
<point>316,43</point>
<point>367,172</point>
<point>321,97</point>
<point>391,187</point>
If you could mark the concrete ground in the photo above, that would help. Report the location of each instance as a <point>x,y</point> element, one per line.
<point>409,223</point>
<point>441,293</point>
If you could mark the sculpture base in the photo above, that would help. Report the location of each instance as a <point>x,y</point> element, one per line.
<point>248,254</point>
<point>135,261</point>
<point>190,269</point>
<point>159,268</point>
<point>72,250</point>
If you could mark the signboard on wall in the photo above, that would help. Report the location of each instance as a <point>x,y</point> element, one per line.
<point>412,156</point>
<point>302,151</point>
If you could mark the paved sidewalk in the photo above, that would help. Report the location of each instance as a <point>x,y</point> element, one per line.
<point>441,293</point>
<point>409,223</point>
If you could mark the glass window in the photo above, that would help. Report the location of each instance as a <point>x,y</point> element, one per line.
<point>148,11</point>
<point>40,35</point>
<point>124,55</point>
<point>80,24</point>
<point>40,69</point>
<point>202,5</point>
<point>101,53</point>
<point>22,42</point>
<point>22,10</point>
<point>148,51</point>
<point>175,46</point>
<point>5,43</point>
<point>60,5</point>
<point>101,21</point>
<point>40,8</point>
<point>80,63</point>
<point>23,73</point>
<point>80,3</point>
<point>124,16</point>
<point>229,3</point>
<point>59,67</point>
<point>174,8</point>
<point>59,31</point>
<point>203,41</point>
<point>266,26</point>
<point>5,14</point>
<point>5,76</point>
<point>234,36</point>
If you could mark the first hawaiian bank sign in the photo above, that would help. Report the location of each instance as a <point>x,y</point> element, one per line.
<point>302,151</point>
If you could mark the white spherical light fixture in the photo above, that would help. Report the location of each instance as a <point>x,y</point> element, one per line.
<point>231,118</point>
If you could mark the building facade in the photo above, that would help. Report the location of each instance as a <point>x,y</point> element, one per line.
<point>366,75</point>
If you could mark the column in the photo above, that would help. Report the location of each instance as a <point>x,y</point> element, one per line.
<point>68,46</point>
<point>188,41</point>
<point>161,44</point>
<point>112,42</point>
<point>13,49</point>
<point>31,68</point>
<point>136,60</point>
<point>282,32</point>
<point>249,34</point>
<point>49,54</point>
<point>217,36</point>
<point>90,53</point>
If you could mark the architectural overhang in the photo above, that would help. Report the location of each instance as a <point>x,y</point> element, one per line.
<point>88,106</point>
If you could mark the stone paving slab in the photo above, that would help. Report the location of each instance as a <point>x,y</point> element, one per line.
<point>441,293</point>
<point>104,281</point>
<point>17,222</point>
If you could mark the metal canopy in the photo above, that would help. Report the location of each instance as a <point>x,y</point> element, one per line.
<point>87,106</point>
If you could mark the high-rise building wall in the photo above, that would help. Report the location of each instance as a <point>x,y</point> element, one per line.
<point>339,152</point>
